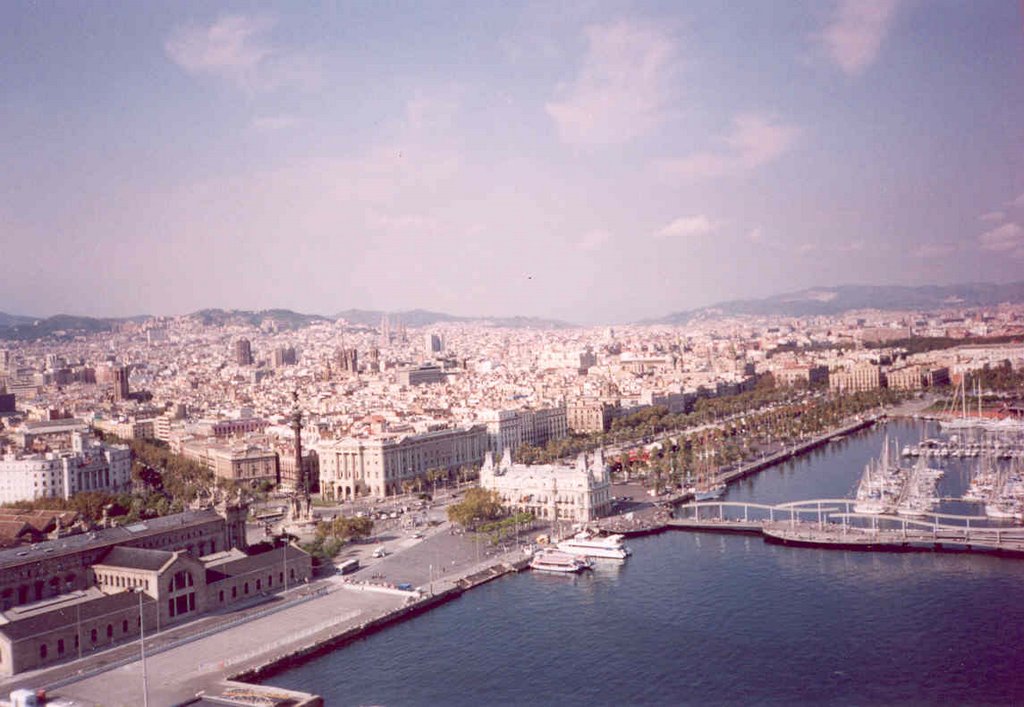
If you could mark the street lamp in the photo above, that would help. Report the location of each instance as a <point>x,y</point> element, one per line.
<point>284,556</point>
<point>142,648</point>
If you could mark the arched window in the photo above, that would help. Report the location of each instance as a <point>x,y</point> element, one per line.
<point>60,646</point>
<point>110,630</point>
<point>124,626</point>
<point>92,635</point>
<point>42,652</point>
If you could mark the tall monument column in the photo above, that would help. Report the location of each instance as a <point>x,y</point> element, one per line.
<point>302,503</point>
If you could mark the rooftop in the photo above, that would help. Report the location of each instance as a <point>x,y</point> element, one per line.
<point>100,538</point>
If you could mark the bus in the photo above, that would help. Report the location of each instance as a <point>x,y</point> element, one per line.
<point>348,566</point>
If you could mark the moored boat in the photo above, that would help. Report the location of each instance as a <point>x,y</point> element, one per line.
<point>559,562</point>
<point>611,547</point>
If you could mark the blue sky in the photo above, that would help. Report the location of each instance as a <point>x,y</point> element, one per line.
<point>592,161</point>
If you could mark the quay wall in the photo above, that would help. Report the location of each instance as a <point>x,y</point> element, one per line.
<point>795,451</point>
<point>811,536</point>
<point>321,646</point>
<point>278,664</point>
<point>808,537</point>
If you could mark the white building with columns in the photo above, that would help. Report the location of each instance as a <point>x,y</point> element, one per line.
<point>89,466</point>
<point>577,493</point>
<point>377,466</point>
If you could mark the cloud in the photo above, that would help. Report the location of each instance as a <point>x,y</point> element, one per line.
<point>687,226</point>
<point>854,36</point>
<point>934,250</point>
<point>623,88</point>
<point>1018,202</point>
<point>806,248</point>
<point>235,48</point>
<point>992,216</point>
<point>593,240</point>
<point>755,140</point>
<point>851,247</point>
<point>1008,238</point>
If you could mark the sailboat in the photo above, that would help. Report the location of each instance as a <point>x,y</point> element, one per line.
<point>964,421</point>
<point>881,484</point>
<point>919,491</point>
<point>708,487</point>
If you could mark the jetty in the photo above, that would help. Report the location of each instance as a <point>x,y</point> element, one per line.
<point>831,523</point>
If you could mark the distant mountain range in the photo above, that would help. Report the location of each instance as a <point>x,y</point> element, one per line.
<point>823,301</point>
<point>23,328</point>
<point>18,327</point>
<point>370,318</point>
<point>14,319</point>
<point>284,318</point>
<point>817,301</point>
<point>422,317</point>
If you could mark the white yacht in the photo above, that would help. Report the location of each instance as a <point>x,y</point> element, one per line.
<point>608,547</point>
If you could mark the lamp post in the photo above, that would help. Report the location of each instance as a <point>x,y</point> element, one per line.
<point>142,649</point>
<point>284,555</point>
<point>78,628</point>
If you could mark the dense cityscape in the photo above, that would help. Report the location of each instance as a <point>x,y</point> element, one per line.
<point>528,353</point>
<point>263,432</point>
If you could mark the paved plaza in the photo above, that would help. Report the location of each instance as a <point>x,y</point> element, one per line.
<point>199,656</point>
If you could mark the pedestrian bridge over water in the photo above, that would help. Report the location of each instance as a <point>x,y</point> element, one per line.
<point>833,522</point>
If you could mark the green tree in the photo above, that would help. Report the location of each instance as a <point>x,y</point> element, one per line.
<point>477,506</point>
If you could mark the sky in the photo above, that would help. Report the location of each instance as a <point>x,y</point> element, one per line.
<point>596,162</point>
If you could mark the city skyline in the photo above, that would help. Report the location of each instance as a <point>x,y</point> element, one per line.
<point>589,163</point>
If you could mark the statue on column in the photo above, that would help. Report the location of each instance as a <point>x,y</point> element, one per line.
<point>300,504</point>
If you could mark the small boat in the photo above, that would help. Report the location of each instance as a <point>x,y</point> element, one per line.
<point>559,562</point>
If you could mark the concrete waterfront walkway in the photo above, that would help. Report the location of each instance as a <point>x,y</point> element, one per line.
<point>203,655</point>
<point>178,674</point>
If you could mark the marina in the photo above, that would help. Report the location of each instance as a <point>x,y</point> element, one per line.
<point>694,617</point>
<point>764,505</point>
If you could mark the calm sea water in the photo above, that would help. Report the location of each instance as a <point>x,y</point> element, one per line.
<point>712,619</point>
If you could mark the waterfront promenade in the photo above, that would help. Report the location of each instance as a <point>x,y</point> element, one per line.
<point>203,656</point>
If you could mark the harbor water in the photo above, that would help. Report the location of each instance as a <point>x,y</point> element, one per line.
<point>715,619</point>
